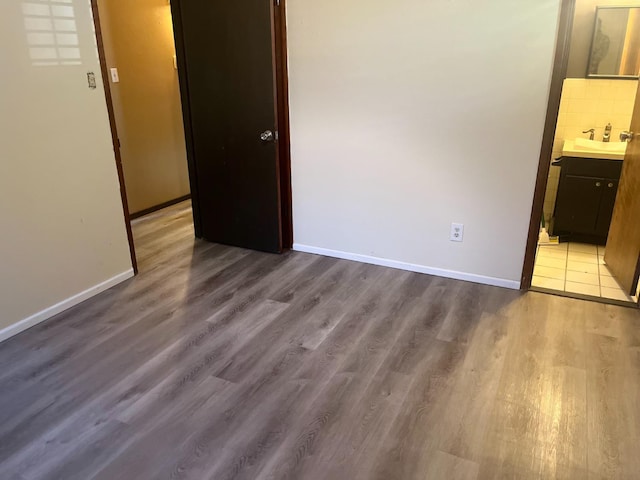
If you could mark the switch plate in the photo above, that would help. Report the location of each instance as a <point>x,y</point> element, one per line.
<point>457,232</point>
<point>115,78</point>
<point>91,79</point>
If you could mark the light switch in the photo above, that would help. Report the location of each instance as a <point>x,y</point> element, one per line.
<point>114,75</point>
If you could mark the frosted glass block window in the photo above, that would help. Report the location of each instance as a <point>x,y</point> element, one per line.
<point>52,33</point>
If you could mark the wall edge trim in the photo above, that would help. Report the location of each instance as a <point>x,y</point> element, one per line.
<point>411,267</point>
<point>47,313</point>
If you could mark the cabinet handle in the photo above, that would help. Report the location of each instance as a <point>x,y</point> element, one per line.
<point>598,184</point>
<point>610,185</point>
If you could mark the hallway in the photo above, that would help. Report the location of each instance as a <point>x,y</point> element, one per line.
<point>218,363</point>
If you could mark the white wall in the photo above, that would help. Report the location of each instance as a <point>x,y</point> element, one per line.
<point>409,115</point>
<point>63,235</point>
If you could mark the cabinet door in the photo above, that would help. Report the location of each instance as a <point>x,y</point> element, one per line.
<point>578,204</point>
<point>609,190</point>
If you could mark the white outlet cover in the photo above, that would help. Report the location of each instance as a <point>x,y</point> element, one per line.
<point>457,232</point>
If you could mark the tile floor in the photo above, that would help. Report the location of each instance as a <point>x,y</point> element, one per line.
<point>576,268</point>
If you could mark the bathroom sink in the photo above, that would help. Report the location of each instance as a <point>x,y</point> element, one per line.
<point>583,147</point>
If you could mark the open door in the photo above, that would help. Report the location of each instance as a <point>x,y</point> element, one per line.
<point>228,68</point>
<point>622,254</point>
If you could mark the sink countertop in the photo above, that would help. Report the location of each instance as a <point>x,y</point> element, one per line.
<point>584,148</point>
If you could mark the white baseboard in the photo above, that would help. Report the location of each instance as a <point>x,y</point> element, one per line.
<point>47,313</point>
<point>439,272</point>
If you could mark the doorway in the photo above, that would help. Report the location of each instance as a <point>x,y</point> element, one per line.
<point>154,118</point>
<point>140,56</point>
<point>137,56</point>
<point>583,170</point>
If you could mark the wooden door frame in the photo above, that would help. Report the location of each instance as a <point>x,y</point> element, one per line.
<point>281,94</point>
<point>558,76</point>
<point>114,132</point>
<point>281,71</point>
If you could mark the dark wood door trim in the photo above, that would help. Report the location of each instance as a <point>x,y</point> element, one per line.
<point>282,103</point>
<point>557,79</point>
<point>282,121</point>
<point>114,132</point>
<point>176,15</point>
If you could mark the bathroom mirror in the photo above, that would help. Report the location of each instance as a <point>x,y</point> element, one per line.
<point>615,47</point>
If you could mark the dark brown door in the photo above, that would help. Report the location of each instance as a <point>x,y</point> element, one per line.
<point>622,254</point>
<point>227,71</point>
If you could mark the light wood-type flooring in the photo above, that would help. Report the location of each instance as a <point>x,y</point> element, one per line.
<point>223,363</point>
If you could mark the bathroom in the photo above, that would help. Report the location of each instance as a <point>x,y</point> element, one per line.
<point>597,103</point>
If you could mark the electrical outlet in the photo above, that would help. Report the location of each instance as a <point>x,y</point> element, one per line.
<point>457,232</point>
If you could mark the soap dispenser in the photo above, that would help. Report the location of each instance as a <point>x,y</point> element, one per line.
<point>607,133</point>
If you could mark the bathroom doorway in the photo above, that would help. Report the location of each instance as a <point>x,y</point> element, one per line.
<point>586,196</point>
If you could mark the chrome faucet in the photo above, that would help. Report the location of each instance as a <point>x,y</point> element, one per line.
<point>591,132</point>
<point>607,133</point>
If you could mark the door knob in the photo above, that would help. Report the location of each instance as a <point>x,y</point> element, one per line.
<point>626,136</point>
<point>267,136</point>
<point>598,184</point>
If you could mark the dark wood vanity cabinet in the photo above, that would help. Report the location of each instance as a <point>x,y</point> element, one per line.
<point>586,197</point>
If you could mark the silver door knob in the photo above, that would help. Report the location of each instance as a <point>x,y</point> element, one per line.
<point>598,184</point>
<point>267,136</point>
<point>626,136</point>
<point>610,185</point>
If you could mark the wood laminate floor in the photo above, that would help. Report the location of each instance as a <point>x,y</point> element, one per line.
<point>222,363</point>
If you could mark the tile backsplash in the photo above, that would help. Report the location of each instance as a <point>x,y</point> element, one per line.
<point>585,104</point>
